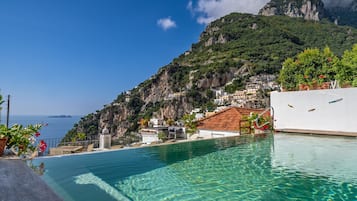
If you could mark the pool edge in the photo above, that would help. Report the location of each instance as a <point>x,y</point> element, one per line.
<point>318,132</point>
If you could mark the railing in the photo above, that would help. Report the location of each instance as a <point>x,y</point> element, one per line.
<point>56,142</point>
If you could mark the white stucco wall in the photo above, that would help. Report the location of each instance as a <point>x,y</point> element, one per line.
<point>149,138</point>
<point>311,110</point>
<point>216,134</point>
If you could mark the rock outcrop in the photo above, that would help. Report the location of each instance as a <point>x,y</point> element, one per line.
<point>341,12</point>
<point>307,9</point>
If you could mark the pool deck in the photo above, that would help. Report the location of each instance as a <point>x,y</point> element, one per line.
<point>18,182</point>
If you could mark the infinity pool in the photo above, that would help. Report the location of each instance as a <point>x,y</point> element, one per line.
<point>279,167</point>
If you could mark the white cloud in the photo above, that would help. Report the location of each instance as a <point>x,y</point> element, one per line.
<point>209,10</point>
<point>190,6</point>
<point>166,23</point>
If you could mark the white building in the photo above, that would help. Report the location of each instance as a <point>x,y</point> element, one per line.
<point>155,122</point>
<point>149,135</point>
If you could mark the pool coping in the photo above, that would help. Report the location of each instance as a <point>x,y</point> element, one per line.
<point>318,132</point>
<point>20,182</point>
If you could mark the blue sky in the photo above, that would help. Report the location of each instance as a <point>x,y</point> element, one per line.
<point>74,56</point>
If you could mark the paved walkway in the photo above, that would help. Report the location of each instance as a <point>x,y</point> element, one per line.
<point>20,183</point>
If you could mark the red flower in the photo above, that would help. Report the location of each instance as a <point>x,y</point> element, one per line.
<point>42,146</point>
<point>322,76</point>
<point>265,127</point>
<point>37,134</point>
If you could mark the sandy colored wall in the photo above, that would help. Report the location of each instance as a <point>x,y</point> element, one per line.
<point>332,110</point>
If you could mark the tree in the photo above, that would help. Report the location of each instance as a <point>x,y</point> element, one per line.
<point>162,136</point>
<point>311,67</point>
<point>81,136</point>
<point>331,63</point>
<point>287,77</point>
<point>136,103</point>
<point>170,122</point>
<point>144,123</point>
<point>347,74</point>
<point>190,123</point>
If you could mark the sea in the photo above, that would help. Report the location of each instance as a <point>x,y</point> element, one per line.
<point>55,127</point>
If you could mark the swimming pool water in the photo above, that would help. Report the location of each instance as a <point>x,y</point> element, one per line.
<point>279,167</point>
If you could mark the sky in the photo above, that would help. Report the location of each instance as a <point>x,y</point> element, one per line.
<point>74,56</point>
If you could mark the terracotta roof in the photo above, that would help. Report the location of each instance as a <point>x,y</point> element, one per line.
<point>226,120</point>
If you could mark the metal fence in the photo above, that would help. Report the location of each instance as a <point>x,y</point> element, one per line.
<point>56,142</point>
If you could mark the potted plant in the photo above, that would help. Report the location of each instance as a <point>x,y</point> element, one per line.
<point>23,139</point>
<point>260,124</point>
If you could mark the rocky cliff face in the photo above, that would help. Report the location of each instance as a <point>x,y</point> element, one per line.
<point>341,12</point>
<point>153,98</point>
<point>307,9</point>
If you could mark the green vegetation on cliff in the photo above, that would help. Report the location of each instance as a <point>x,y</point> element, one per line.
<point>264,42</point>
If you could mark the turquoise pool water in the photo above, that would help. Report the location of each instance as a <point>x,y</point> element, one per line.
<point>279,167</point>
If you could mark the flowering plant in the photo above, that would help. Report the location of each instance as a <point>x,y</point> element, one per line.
<point>259,122</point>
<point>42,146</point>
<point>23,139</point>
<point>321,79</point>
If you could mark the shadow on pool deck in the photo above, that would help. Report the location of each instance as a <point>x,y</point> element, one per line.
<point>19,183</point>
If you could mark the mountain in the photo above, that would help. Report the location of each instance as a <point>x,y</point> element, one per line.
<point>306,9</point>
<point>342,12</point>
<point>230,52</point>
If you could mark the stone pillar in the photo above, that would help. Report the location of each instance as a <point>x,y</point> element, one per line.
<point>105,139</point>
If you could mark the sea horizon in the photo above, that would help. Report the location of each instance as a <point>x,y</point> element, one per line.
<point>54,127</point>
